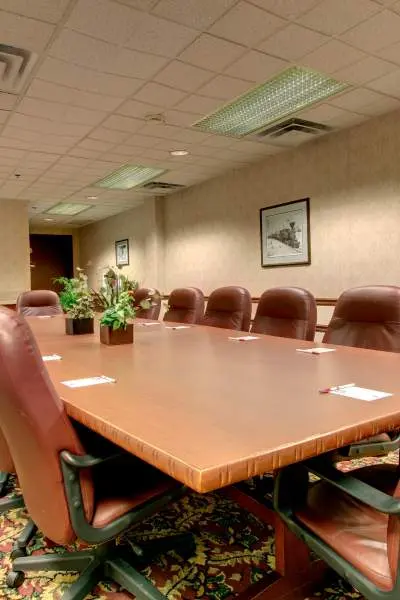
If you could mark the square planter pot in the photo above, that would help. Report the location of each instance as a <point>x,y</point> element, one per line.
<point>118,336</point>
<point>79,326</point>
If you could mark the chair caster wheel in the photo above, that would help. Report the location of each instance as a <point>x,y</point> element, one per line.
<point>18,552</point>
<point>15,579</point>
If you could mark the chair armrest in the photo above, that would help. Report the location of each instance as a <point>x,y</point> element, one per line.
<point>370,448</point>
<point>354,487</point>
<point>86,461</point>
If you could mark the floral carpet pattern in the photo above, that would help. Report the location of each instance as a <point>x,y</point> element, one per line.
<point>233,550</point>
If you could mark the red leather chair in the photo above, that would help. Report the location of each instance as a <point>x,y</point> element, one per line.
<point>350,521</point>
<point>6,468</point>
<point>229,308</point>
<point>38,303</point>
<point>71,495</point>
<point>367,317</point>
<point>185,305</point>
<point>153,312</point>
<point>286,312</point>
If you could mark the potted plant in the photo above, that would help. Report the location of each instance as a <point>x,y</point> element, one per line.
<point>116,298</point>
<point>78,303</point>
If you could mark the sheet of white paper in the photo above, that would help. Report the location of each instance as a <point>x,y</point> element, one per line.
<point>85,382</point>
<point>360,393</point>
<point>178,327</point>
<point>44,317</point>
<point>244,338</point>
<point>316,350</point>
<point>48,357</point>
<point>148,324</point>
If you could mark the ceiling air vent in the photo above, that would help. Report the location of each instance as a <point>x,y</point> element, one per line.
<point>161,186</point>
<point>291,125</point>
<point>15,66</point>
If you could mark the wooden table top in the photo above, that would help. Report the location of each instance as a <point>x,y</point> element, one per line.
<point>210,411</point>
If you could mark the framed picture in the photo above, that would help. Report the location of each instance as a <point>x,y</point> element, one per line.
<point>122,253</point>
<point>285,234</point>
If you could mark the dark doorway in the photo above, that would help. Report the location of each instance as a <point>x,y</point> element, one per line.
<point>52,256</point>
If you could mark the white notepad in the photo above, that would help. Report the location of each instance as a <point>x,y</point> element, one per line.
<point>148,324</point>
<point>177,327</point>
<point>244,338</point>
<point>87,381</point>
<point>49,357</point>
<point>359,393</point>
<point>316,350</point>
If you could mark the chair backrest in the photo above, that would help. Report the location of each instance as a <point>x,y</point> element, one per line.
<point>36,429</point>
<point>229,307</point>
<point>38,303</point>
<point>185,305</point>
<point>6,461</point>
<point>148,313</point>
<point>367,317</point>
<point>286,312</point>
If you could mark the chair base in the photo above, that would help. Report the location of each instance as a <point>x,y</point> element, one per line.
<point>23,540</point>
<point>10,503</point>
<point>108,561</point>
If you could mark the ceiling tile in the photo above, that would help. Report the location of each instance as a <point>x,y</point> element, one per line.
<point>256,66</point>
<point>391,53</point>
<point>332,56</point>
<point>81,78</point>
<point>101,56</point>
<point>59,93</point>
<point>160,95</point>
<point>199,104</point>
<point>44,10</point>
<point>246,24</point>
<point>95,145</point>
<point>191,12</point>
<point>7,101</point>
<point>104,19</point>
<point>322,113</point>
<point>336,17</point>
<point>293,42</point>
<point>289,9</point>
<point>122,123</point>
<point>26,33</point>
<point>140,4</point>
<point>181,118</point>
<point>159,36</point>
<point>378,32</point>
<point>109,135</point>
<point>46,126</point>
<point>389,84</point>
<point>217,141</point>
<point>366,70</point>
<point>225,88</point>
<point>211,52</point>
<point>183,76</point>
<point>60,112</point>
<point>132,108</point>
<point>347,119</point>
<point>355,100</point>
<point>140,141</point>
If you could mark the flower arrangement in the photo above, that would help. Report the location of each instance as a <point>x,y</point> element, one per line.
<point>76,298</point>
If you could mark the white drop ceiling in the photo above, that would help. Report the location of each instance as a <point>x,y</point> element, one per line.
<point>101,66</point>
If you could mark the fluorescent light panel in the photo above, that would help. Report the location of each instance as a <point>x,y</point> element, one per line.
<point>129,176</point>
<point>292,90</point>
<point>68,208</point>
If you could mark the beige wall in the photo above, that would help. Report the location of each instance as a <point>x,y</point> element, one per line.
<point>143,226</point>
<point>14,250</point>
<point>353,180</point>
<point>208,235</point>
<point>61,231</point>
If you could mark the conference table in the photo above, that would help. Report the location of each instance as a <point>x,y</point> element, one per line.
<point>211,411</point>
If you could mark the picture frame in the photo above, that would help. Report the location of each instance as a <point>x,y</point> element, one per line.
<point>122,253</point>
<point>285,234</point>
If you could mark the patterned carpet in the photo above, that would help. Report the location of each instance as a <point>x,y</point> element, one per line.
<point>234,549</point>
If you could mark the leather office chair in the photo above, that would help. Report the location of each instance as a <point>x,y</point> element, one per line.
<point>350,521</point>
<point>229,308</point>
<point>286,312</point>
<point>37,303</point>
<point>367,317</point>
<point>185,305</point>
<point>71,495</point>
<point>144,294</point>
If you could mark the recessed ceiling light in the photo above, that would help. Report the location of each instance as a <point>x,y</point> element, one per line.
<point>179,152</point>
<point>49,220</point>
<point>129,176</point>
<point>68,208</point>
<point>292,90</point>
<point>91,197</point>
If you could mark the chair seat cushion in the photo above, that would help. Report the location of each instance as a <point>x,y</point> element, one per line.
<point>124,484</point>
<point>355,531</point>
